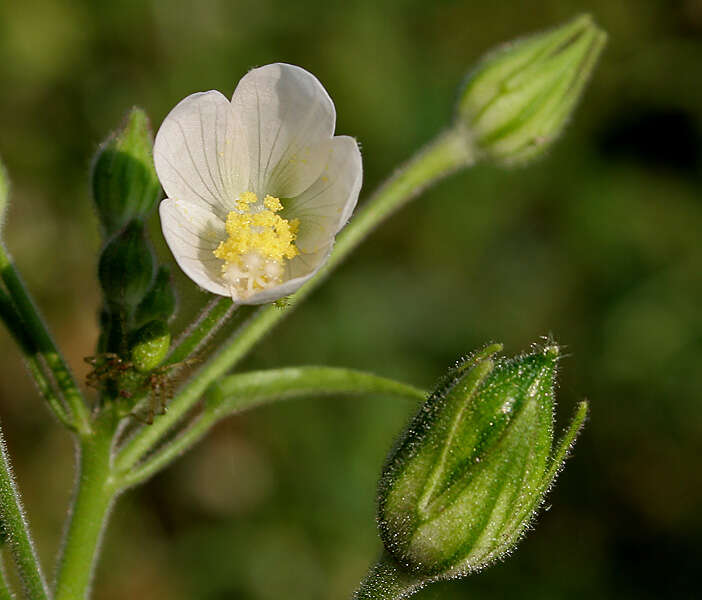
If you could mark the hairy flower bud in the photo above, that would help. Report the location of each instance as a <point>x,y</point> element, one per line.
<point>150,345</point>
<point>519,98</point>
<point>474,464</point>
<point>126,267</point>
<point>124,181</point>
<point>159,302</point>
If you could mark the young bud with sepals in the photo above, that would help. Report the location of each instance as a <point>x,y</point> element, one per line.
<point>150,345</point>
<point>126,268</point>
<point>124,180</point>
<point>519,98</point>
<point>469,472</point>
<point>159,302</point>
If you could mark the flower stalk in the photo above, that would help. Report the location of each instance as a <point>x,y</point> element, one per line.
<point>43,345</point>
<point>386,580</point>
<point>14,524</point>
<point>96,491</point>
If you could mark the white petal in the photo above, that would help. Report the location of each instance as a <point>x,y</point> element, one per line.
<point>297,272</point>
<point>192,233</point>
<point>200,153</point>
<point>324,208</point>
<point>289,119</point>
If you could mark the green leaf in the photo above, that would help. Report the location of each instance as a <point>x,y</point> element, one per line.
<point>245,391</point>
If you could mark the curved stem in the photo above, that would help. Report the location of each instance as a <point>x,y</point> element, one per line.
<point>386,580</point>
<point>46,389</point>
<point>213,316</point>
<point>38,333</point>
<point>17,530</point>
<point>95,494</point>
<point>36,368</point>
<point>5,591</point>
<point>242,392</point>
<point>446,154</point>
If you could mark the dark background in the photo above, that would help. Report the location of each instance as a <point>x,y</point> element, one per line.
<point>598,244</point>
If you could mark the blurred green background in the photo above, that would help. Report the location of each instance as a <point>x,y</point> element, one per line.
<point>597,244</point>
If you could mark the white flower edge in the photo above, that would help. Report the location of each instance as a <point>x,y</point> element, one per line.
<point>275,137</point>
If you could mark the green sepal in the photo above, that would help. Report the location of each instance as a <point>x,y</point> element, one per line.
<point>466,476</point>
<point>160,300</point>
<point>149,346</point>
<point>126,268</point>
<point>124,181</point>
<point>520,97</point>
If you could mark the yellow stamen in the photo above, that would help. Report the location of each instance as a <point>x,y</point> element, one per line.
<point>259,242</point>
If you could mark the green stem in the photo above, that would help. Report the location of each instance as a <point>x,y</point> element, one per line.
<point>38,333</point>
<point>16,327</point>
<point>386,580</point>
<point>237,393</point>
<point>95,493</point>
<point>165,456</point>
<point>17,530</point>
<point>5,591</point>
<point>446,154</point>
<point>213,316</point>
<point>45,387</point>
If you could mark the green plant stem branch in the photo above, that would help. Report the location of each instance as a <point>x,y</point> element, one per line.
<point>37,332</point>
<point>47,391</point>
<point>213,316</point>
<point>36,368</point>
<point>16,529</point>
<point>237,393</point>
<point>95,493</point>
<point>14,323</point>
<point>449,152</point>
<point>386,580</point>
<point>5,591</point>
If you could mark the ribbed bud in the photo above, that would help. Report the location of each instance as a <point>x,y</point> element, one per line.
<point>126,267</point>
<point>159,302</point>
<point>124,180</point>
<point>150,345</point>
<point>519,98</point>
<point>474,464</point>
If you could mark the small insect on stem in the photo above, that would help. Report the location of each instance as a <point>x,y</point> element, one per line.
<point>118,379</point>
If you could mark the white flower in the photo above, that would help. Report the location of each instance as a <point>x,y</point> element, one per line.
<point>258,187</point>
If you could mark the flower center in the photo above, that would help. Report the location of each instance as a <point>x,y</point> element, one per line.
<point>258,244</point>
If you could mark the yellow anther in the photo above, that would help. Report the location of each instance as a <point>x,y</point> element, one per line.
<point>257,237</point>
<point>272,203</point>
<point>245,199</point>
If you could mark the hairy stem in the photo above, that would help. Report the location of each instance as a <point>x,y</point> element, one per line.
<point>16,529</point>
<point>213,316</point>
<point>35,366</point>
<point>38,334</point>
<point>242,392</point>
<point>446,154</point>
<point>5,591</point>
<point>95,492</point>
<point>386,580</point>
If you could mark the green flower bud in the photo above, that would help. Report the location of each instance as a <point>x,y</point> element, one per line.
<point>519,98</point>
<point>473,466</point>
<point>124,180</point>
<point>159,302</point>
<point>126,267</point>
<point>4,194</point>
<point>150,345</point>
